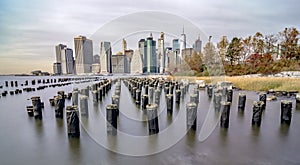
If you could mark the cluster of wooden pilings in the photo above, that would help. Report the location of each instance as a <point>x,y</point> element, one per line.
<point>39,84</point>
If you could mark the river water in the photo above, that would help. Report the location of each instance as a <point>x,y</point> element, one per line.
<point>24,140</point>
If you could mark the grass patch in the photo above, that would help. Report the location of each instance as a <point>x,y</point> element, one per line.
<point>253,83</point>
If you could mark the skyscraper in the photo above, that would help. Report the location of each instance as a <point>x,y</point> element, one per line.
<point>57,68</point>
<point>83,54</point>
<point>67,61</point>
<point>161,53</point>
<point>182,44</point>
<point>150,57</point>
<point>198,45</point>
<point>136,63</point>
<point>105,57</point>
<point>124,46</point>
<point>142,50</point>
<point>96,59</point>
<point>175,44</point>
<point>58,49</point>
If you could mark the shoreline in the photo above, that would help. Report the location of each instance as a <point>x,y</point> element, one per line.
<point>252,83</point>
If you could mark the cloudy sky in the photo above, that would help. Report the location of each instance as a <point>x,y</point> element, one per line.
<point>30,29</point>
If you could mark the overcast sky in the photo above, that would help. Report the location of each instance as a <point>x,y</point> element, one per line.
<point>30,29</point>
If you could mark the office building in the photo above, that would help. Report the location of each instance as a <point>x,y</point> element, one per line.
<point>119,64</point>
<point>124,46</point>
<point>67,61</point>
<point>175,44</point>
<point>136,63</point>
<point>161,53</point>
<point>96,59</point>
<point>58,49</point>
<point>150,57</point>
<point>57,68</point>
<point>83,54</point>
<point>182,44</point>
<point>105,57</point>
<point>198,45</point>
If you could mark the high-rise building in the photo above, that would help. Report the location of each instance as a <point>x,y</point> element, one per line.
<point>83,54</point>
<point>129,54</point>
<point>58,49</point>
<point>150,58</point>
<point>175,44</point>
<point>182,44</point>
<point>105,57</point>
<point>96,59</point>
<point>124,46</point>
<point>67,61</point>
<point>119,64</point>
<point>198,45</point>
<point>136,63</point>
<point>57,68</point>
<point>142,50</point>
<point>161,53</point>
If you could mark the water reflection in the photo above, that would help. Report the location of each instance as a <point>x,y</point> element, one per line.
<point>75,154</point>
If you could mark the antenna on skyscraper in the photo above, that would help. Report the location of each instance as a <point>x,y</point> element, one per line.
<point>182,29</point>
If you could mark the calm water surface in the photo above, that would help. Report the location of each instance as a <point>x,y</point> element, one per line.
<point>24,140</point>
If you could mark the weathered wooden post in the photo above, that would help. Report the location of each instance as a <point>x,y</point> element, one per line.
<point>75,98</point>
<point>72,121</point>
<point>191,115</point>
<point>115,99</point>
<point>59,106</point>
<point>146,89</point>
<point>37,108</point>
<point>210,91</point>
<point>298,101</point>
<point>100,93</point>
<point>84,105</point>
<point>6,83</point>
<point>217,101</point>
<point>257,113</point>
<point>145,102</point>
<point>193,99</point>
<point>151,91</point>
<point>138,97</point>
<point>242,102</point>
<point>111,119</point>
<point>152,119</point>
<point>229,95</point>
<point>157,96</point>
<point>286,111</point>
<point>225,108</point>
<point>170,101</point>
<point>95,96</point>
<point>177,96</point>
<point>263,98</point>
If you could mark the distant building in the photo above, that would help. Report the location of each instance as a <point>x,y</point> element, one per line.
<point>198,45</point>
<point>119,64</point>
<point>67,61</point>
<point>150,58</point>
<point>142,49</point>
<point>124,46</point>
<point>96,59</point>
<point>58,50</point>
<point>57,68</point>
<point>129,54</point>
<point>83,54</point>
<point>175,44</point>
<point>136,63</point>
<point>161,53</point>
<point>105,57</point>
<point>96,68</point>
<point>182,44</point>
<point>187,52</point>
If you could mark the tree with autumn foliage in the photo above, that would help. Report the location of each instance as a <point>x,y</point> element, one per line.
<point>289,43</point>
<point>234,50</point>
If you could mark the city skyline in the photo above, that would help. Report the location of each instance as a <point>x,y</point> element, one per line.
<point>27,41</point>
